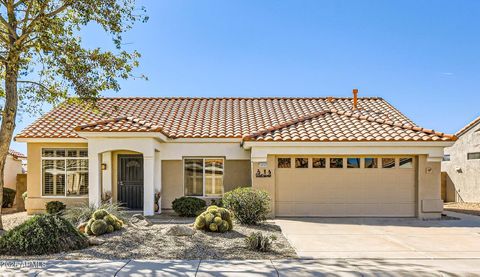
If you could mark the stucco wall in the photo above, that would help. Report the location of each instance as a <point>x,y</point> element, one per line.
<point>35,202</point>
<point>463,181</point>
<point>12,168</point>
<point>237,174</point>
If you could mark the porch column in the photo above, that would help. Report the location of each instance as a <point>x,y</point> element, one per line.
<point>158,179</point>
<point>148,184</point>
<point>94,179</point>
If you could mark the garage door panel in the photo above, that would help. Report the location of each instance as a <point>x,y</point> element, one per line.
<point>345,192</point>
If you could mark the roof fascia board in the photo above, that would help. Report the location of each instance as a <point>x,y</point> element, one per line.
<point>250,144</point>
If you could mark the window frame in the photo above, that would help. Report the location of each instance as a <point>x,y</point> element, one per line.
<point>203,158</point>
<point>405,157</point>
<point>446,158</point>
<point>42,158</point>
<point>300,157</point>
<point>325,160</point>
<point>336,157</point>
<point>472,153</point>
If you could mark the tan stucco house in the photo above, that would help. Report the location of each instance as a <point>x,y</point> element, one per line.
<point>461,166</point>
<point>13,166</point>
<point>315,156</point>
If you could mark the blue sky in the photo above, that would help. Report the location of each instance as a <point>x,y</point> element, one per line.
<point>423,56</point>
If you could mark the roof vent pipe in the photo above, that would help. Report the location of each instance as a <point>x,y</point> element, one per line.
<point>355,99</point>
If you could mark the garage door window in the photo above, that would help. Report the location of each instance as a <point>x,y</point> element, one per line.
<point>406,163</point>
<point>388,162</point>
<point>301,162</point>
<point>336,162</point>
<point>319,162</point>
<point>353,162</point>
<point>284,163</point>
<point>371,163</point>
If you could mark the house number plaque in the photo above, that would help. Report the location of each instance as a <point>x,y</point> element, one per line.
<point>265,174</point>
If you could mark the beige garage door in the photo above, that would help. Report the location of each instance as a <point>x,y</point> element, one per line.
<point>357,187</point>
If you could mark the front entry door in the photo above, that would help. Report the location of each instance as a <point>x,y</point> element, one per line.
<point>130,181</point>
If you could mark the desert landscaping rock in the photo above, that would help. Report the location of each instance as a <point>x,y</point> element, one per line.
<point>153,243</point>
<point>180,230</point>
<point>139,220</point>
<point>95,241</point>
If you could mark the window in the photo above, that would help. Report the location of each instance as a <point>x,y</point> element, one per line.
<point>406,163</point>
<point>371,163</point>
<point>388,162</point>
<point>353,162</point>
<point>473,156</point>
<point>203,177</point>
<point>284,162</point>
<point>446,158</point>
<point>319,162</point>
<point>336,162</point>
<point>65,172</point>
<point>301,162</point>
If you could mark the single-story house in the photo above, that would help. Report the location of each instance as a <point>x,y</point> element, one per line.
<point>13,166</point>
<point>461,166</point>
<point>351,157</point>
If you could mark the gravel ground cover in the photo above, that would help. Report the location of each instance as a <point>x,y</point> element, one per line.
<point>137,241</point>
<point>466,208</point>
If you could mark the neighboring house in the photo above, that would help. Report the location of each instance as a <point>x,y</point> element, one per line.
<point>315,156</point>
<point>461,166</point>
<point>13,166</point>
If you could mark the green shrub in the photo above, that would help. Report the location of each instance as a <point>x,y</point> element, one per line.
<point>102,222</point>
<point>249,206</point>
<point>214,219</point>
<point>8,197</point>
<point>55,207</point>
<point>217,202</point>
<point>79,214</point>
<point>259,242</point>
<point>42,234</point>
<point>188,206</point>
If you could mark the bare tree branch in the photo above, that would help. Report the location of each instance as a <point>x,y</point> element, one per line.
<point>9,27</point>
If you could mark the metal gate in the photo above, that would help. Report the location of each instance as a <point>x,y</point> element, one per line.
<point>130,181</point>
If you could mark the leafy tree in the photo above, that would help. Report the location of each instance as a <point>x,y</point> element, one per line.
<point>42,58</point>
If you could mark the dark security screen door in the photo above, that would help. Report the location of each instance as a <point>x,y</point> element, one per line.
<point>130,181</point>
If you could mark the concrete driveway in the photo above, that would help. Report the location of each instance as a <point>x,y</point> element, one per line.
<point>384,238</point>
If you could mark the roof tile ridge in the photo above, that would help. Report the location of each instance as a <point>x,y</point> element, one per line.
<point>153,127</point>
<point>394,124</point>
<point>99,122</point>
<point>285,124</point>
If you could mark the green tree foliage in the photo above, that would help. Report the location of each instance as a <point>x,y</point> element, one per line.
<point>42,58</point>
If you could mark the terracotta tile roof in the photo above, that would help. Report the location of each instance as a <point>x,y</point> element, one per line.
<point>204,117</point>
<point>334,125</point>
<point>468,127</point>
<point>119,124</point>
<point>16,154</point>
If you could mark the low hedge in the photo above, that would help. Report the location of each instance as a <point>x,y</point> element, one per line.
<point>8,197</point>
<point>55,207</point>
<point>188,206</point>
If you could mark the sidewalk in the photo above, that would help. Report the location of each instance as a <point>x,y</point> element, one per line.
<point>319,267</point>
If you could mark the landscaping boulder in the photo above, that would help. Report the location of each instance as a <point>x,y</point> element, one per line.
<point>95,241</point>
<point>180,230</point>
<point>140,221</point>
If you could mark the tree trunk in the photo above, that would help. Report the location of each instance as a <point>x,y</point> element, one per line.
<point>9,114</point>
